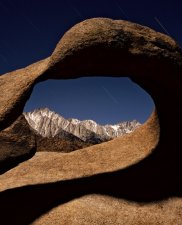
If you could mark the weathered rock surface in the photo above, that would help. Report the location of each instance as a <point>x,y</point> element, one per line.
<point>16,88</point>
<point>97,209</point>
<point>17,143</point>
<point>140,172</point>
<point>120,48</point>
<point>101,46</point>
<point>42,172</point>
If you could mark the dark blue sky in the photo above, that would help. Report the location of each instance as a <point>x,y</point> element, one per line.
<point>105,100</point>
<point>30,29</point>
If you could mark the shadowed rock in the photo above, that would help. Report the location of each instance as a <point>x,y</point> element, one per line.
<point>17,143</point>
<point>143,166</point>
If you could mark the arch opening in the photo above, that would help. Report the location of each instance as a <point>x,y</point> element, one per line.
<point>92,110</point>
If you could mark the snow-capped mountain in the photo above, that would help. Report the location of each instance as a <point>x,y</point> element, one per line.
<point>50,124</point>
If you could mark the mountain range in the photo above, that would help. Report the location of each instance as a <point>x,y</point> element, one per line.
<point>55,132</point>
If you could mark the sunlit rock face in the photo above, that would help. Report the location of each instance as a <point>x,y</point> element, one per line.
<point>141,167</point>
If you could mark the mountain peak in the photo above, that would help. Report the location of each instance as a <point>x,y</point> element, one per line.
<point>48,123</point>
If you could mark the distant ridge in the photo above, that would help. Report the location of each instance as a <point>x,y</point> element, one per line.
<point>49,124</point>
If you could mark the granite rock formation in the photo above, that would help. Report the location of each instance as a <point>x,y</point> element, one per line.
<point>103,47</point>
<point>57,188</point>
<point>140,172</point>
<point>17,143</point>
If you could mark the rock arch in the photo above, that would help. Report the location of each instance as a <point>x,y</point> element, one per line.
<point>106,47</point>
<point>118,48</point>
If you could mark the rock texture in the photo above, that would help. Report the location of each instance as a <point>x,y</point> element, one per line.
<point>103,47</point>
<point>47,184</point>
<point>140,173</point>
<point>15,91</point>
<point>17,143</point>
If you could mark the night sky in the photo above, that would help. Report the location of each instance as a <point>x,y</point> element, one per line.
<point>30,30</point>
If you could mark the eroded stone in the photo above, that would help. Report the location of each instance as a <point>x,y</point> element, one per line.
<point>141,167</point>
